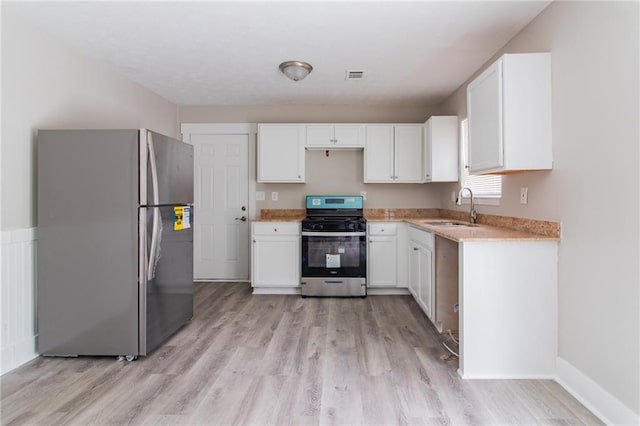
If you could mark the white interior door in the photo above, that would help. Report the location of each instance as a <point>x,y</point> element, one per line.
<point>221,197</point>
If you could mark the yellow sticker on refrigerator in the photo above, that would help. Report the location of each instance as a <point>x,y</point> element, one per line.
<point>181,218</point>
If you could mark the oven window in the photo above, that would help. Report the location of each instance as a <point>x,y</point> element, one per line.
<point>333,252</point>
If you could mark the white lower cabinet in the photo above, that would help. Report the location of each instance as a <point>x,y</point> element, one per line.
<point>507,297</point>
<point>508,309</point>
<point>421,277</point>
<point>387,257</point>
<point>382,252</point>
<point>275,254</point>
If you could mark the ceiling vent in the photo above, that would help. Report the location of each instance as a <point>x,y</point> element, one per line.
<point>354,75</point>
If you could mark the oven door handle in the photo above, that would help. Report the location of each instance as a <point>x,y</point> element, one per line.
<point>333,234</point>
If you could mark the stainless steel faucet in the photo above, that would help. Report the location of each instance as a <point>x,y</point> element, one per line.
<point>472,211</point>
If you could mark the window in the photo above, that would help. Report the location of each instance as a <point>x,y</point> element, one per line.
<point>487,189</point>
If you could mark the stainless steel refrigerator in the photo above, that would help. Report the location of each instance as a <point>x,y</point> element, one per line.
<point>114,241</point>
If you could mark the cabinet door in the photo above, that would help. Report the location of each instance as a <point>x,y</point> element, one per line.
<point>414,270</point>
<point>428,148</point>
<point>348,135</point>
<point>382,264</point>
<point>484,103</point>
<point>426,281</point>
<point>441,161</point>
<point>378,153</point>
<point>280,153</point>
<point>276,261</point>
<point>408,153</point>
<point>320,135</point>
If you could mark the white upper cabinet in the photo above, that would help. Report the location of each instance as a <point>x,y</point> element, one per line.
<point>335,136</point>
<point>281,153</point>
<point>393,153</point>
<point>408,152</point>
<point>509,112</point>
<point>441,161</point>
<point>378,154</point>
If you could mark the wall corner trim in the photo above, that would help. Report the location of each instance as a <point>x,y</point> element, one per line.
<point>600,402</point>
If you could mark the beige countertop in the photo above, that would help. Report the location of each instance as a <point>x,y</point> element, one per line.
<point>489,228</point>
<point>475,232</point>
<point>279,219</point>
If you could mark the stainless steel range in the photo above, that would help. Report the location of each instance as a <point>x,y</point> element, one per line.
<point>334,248</point>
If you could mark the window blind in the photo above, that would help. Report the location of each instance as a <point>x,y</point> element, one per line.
<point>485,186</point>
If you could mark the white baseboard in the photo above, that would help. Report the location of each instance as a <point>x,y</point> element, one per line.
<point>17,299</point>
<point>277,290</point>
<point>490,376</point>
<point>388,291</point>
<point>18,353</point>
<point>600,402</point>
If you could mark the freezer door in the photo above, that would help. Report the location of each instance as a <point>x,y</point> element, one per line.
<point>171,161</point>
<point>167,294</point>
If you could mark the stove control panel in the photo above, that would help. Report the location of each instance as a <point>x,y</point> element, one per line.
<point>334,202</point>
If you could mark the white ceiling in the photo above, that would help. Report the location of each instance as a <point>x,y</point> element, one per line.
<point>227,53</point>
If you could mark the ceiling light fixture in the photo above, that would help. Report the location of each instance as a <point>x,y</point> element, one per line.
<point>295,70</point>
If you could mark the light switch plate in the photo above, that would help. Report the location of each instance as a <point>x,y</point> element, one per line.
<point>274,196</point>
<point>259,195</point>
<point>363,194</point>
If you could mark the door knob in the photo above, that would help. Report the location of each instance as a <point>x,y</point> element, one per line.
<point>243,208</point>
<point>243,218</point>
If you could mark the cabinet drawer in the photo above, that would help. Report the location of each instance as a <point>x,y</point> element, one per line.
<point>383,228</point>
<point>276,228</point>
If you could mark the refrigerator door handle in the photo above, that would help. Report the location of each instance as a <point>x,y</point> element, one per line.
<point>156,200</point>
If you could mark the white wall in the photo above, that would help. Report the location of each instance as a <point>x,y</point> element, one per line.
<point>593,188</point>
<point>342,171</point>
<point>46,84</point>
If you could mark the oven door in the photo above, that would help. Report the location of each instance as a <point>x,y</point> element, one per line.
<point>334,254</point>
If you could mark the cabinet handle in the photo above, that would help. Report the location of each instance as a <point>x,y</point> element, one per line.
<point>299,177</point>
<point>370,241</point>
<point>275,229</point>
<point>416,249</point>
<point>254,241</point>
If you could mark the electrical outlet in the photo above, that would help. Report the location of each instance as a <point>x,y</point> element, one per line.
<point>274,196</point>
<point>364,194</point>
<point>524,195</point>
<point>259,195</point>
<point>456,307</point>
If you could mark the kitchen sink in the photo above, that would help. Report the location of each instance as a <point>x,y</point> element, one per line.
<point>449,224</point>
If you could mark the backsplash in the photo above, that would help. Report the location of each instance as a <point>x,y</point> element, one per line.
<point>540,227</point>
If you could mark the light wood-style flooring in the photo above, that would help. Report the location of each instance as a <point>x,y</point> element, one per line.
<point>283,360</point>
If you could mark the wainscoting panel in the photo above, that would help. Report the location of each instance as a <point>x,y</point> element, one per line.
<point>18,298</point>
